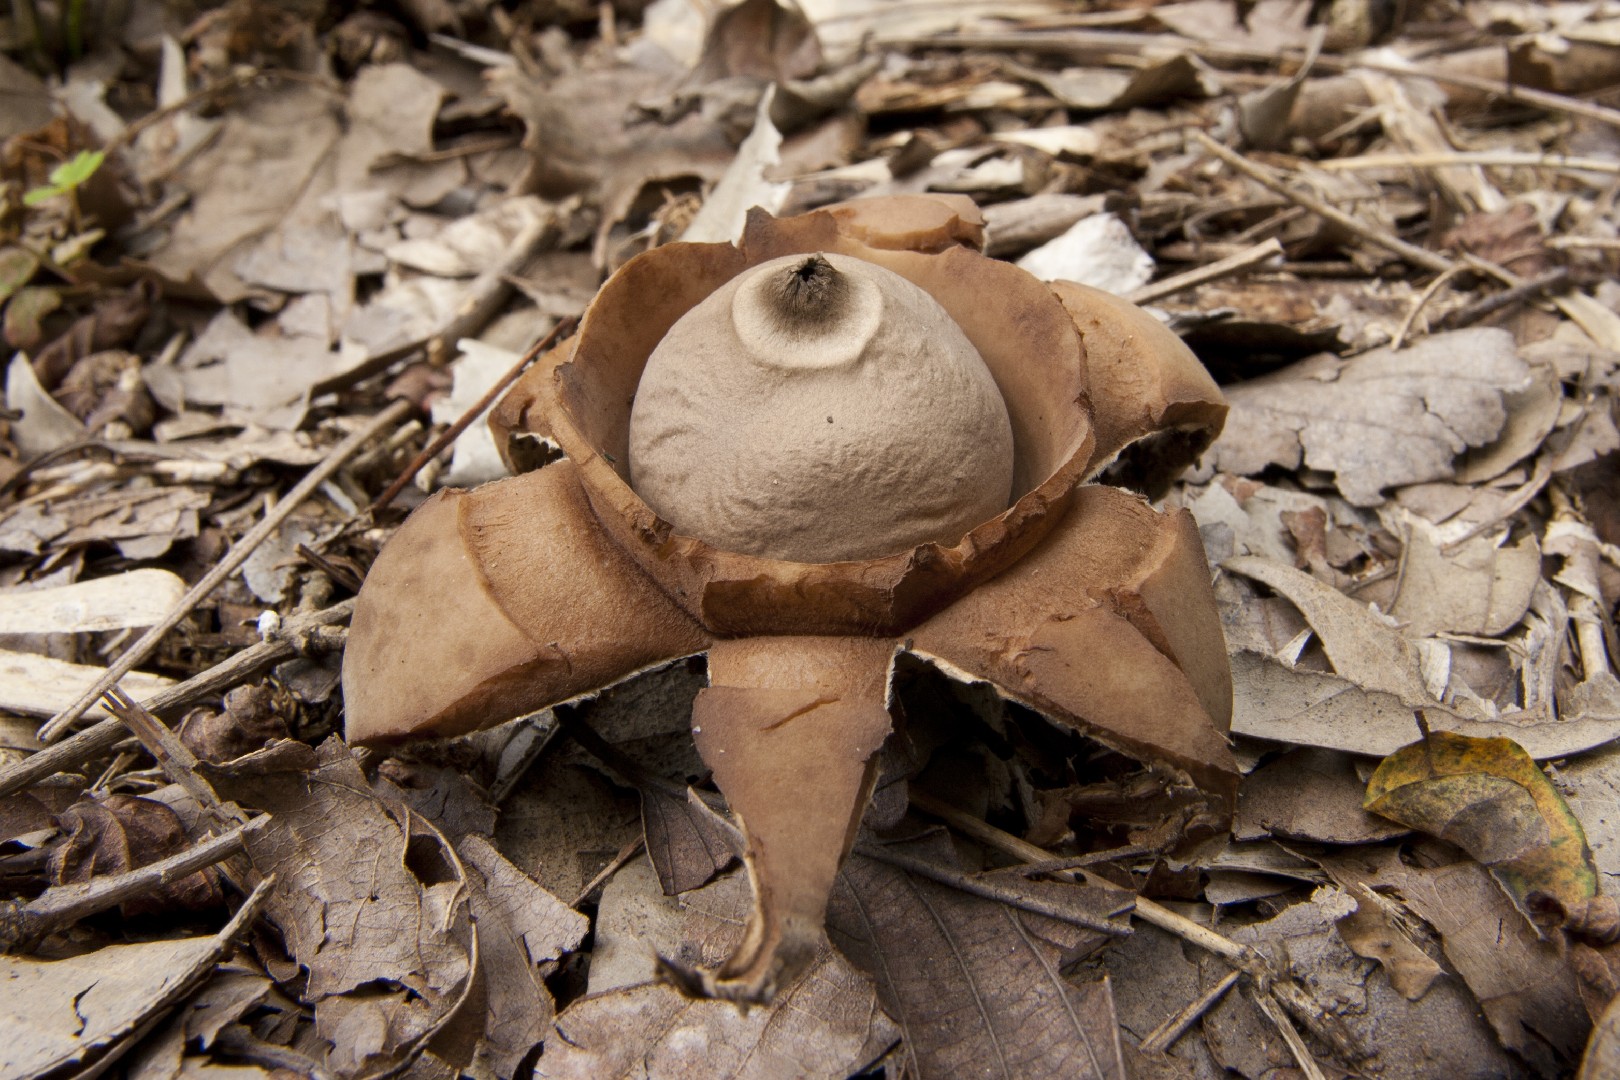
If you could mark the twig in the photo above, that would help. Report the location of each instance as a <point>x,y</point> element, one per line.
<point>626,853</point>
<point>464,421</point>
<point>227,566</point>
<point>176,760</point>
<point>1373,235</point>
<point>990,890</point>
<point>1246,958</point>
<point>1165,1035</point>
<point>63,905</point>
<point>1072,862</point>
<point>1070,42</point>
<point>1422,302</point>
<point>1513,295</point>
<point>1260,253</point>
<point>1296,1045</point>
<point>1513,159</point>
<point>256,659</point>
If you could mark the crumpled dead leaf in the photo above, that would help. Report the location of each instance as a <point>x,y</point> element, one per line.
<point>142,522</point>
<point>1480,587</point>
<point>1098,251</point>
<point>826,1027</point>
<point>522,931</point>
<point>828,1024</point>
<point>1374,932</point>
<point>43,424</point>
<point>1159,79</point>
<point>114,834</point>
<point>1523,983</point>
<point>1379,420</point>
<point>386,938</point>
<point>1490,798</point>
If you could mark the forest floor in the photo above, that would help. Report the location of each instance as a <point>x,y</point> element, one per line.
<point>261,264</point>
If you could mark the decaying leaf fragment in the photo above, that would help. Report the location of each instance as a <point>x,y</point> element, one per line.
<point>65,1013</point>
<point>1489,798</point>
<point>395,922</point>
<point>1379,420</point>
<point>1078,600</point>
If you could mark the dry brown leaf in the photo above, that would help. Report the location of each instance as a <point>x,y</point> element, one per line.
<point>1591,784</point>
<point>687,841</point>
<point>828,1024</point>
<point>1380,420</point>
<point>63,1013</point>
<point>1372,931</point>
<point>44,425</point>
<point>1098,251</point>
<point>1268,25</point>
<point>975,985</point>
<point>638,924</point>
<point>114,834</point>
<point>143,523</point>
<point>522,929</point>
<point>1489,798</point>
<point>1363,648</point>
<point>1480,587</point>
<point>1524,985</point>
<point>386,938</point>
<point>1308,794</point>
<point>1602,1058</point>
<point>1160,79</point>
<point>245,182</point>
<point>564,824</point>
<point>827,1027</point>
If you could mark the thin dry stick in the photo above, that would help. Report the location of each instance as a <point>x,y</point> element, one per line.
<point>233,559</point>
<point>1524,95</point>
<point>990,890</point>
<point>1296,1045</point>
<point>1433,159</point>
<point>1422,302</point>
<point>464,421</point>
<point>1373,235</point>
<point>1150,911</point>
<point>1165,1035</point>
<point>626,853</point>
<point>1249,257</point>
<point>63,905</point>
<point>256,659</point>
<point>1516,294</point>
<point>176,760</point>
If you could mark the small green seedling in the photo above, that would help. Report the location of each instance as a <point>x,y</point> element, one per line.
<point>67,177</point>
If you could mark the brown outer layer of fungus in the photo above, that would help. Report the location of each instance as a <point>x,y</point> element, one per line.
<point>1079,600</point>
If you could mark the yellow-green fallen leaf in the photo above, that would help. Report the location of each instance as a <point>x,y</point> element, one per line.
<point>1489,798</point>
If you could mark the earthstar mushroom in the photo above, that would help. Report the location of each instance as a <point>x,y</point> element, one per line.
<point>1078,600</point>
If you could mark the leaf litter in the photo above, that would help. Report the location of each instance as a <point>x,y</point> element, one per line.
<point>218,254</point>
